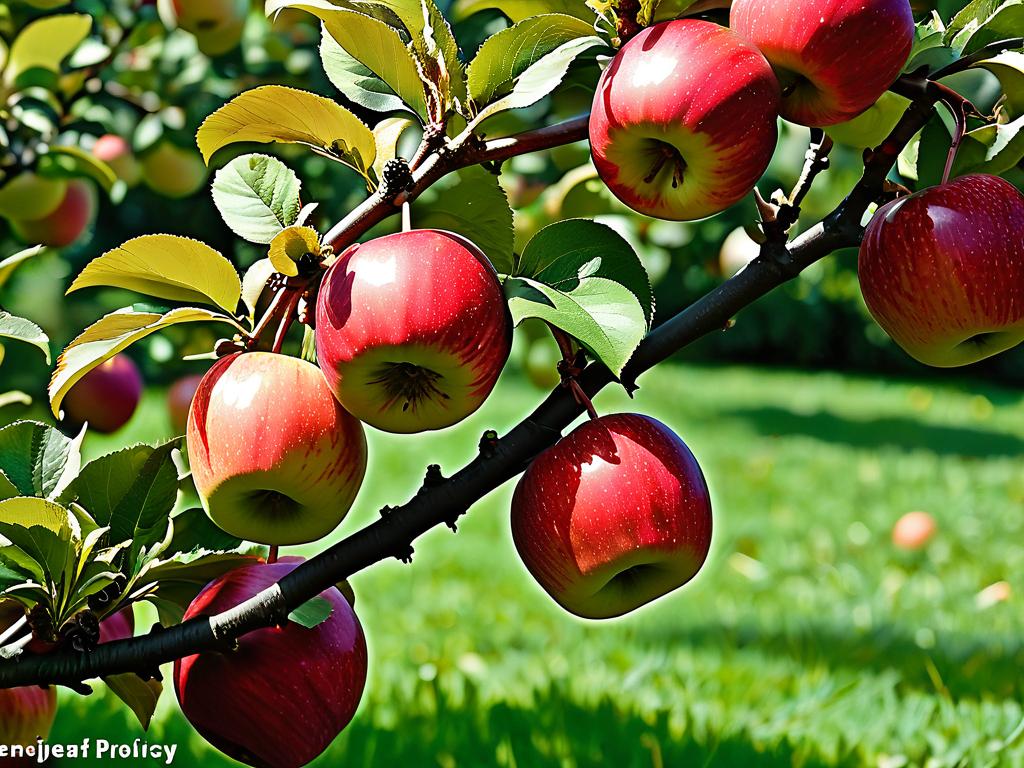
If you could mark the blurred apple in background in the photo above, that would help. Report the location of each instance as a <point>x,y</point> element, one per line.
<point>29,196</point>
<point>106,397</point>
<point>66,223</point>
<point>913,531</point>
<point>738,250</point>
<point>173,171</point>
<point>117,153</point>
<point>179,400</point>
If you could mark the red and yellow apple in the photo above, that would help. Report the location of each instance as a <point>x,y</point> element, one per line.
<point>29,196</point>
<point>833,58</point>
<point>106,397</point>
<point>614,515</point>
<point>942,270</point>
<point>683,122</point>
<point>179,400</point>
<point>412,330</point>
<point>173,171</point>
<point>26,714</point>
<point>286,692</point>
<point>64,224</point>
<point>117,153</point>
<point>274,457</point>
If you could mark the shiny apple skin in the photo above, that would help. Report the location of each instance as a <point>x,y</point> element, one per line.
<point>425,298</point>
<point>694,86</point>
<point>106,397</point>
<point>942,270</point>
<point>274,457</point>
<point>615,515</point>
<point>834,58</point>
<point>281,698</point>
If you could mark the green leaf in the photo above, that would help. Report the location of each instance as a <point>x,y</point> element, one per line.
<point>44,531</point>
<point>540,78</point>
<point>290,246</point>
<point>1008,66</point>
<point>517,10</point>
<point>194,531</point>
<point>114,333</point>
<point>168,267</point>
<point>257,197</point>
<point>507,54</point>
<point>355,81</point>
<point>312,613</point>
<point>1005,22</point>
<point>78,162</point>
<point>45,43</point>
<point>132,491</point>
<point>471,203</point>
<point>8,265</point>
<point>37,459</point>
<point>994,148</point>
<point>373,43</point>
<point>13,327</point>
<point>277,113</point>
<point>584,278</point>
<point>140,695</point>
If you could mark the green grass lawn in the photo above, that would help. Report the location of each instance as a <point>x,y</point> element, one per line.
<point>807,640</point>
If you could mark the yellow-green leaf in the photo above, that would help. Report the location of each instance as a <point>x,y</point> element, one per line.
<point>46,43</point>
<point>168,267</point>
<point>112,334</point>
<point>387,134</point>
<point>277,113</point>
<point>290,245</point>
<point>28,511</point>
<point>8,265</point>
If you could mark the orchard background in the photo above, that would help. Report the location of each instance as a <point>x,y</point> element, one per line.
<point>817,633</point>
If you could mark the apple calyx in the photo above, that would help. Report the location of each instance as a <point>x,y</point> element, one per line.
<point>414,384</point>
<point>666,153</point>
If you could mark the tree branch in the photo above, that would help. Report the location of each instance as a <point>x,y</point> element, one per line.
<point>499,460</point>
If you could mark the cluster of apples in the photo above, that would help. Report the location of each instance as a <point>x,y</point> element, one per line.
<point>684,120</point>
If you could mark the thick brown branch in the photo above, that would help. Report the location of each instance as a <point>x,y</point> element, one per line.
<point>503,459</point>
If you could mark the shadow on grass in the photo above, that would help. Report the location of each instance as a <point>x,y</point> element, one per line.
<point>906,434</point>
<point>960,666</point>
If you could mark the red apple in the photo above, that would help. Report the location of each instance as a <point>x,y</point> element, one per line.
<point>66,223</point>
<point>274,457</point>
<point>834,58</point>
<point>913,531</point>
<point>179,400</point>
<point>412,330</point>
<point>282,697</point>
<point>616,514</point>
<point>106,397</point>
<point>117,153</point>
<point>684,120</point>
<point>118,626</point>
<point>942,270</point>
<point>26,714</point>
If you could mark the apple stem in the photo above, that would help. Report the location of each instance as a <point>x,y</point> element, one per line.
<point>288,314</point>
<point>272,555</point>
<point>960,119</point>
<point>570,367</point>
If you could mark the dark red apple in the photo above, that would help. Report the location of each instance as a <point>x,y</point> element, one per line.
<point>616,514</point>
<point>834,58</point>
<point>179,400</point>
<point>118,626</point>
<point>684,120</point>
<point>274,457</point>
<point>942,270</point>
<point>106,397</point>
<point>282,697</point>
<point>412,330</point>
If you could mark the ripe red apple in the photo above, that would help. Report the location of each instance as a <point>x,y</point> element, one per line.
<point>173,171</point>
<point>118,626</point>
<point>412,330</point>
<point>179,400</point>
<point>834,58</point>
<point>616,514</point>
<point>942,270</point>
<point>26,714</point>
<point>274,457</point>
<point>684,120</point>
<point>282,697</point>
<point>913,531</point>
<point>66,223</point>
<point>106,397</point>
<point>118,154</point>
